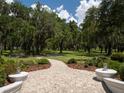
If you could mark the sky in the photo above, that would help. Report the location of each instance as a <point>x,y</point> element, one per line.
<point>71,10</point>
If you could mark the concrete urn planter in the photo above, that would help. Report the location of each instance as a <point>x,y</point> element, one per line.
<point>115,86</point>
<point>11,88</point>
<point>18,77</point>
<point>108,73</point>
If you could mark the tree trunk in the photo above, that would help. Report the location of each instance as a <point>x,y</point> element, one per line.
<point>101,49</point>
<point>33,50</point>
<point>11,50</point>
<point>5,47</point>
<point>106,49</point>
<point>89,49</point>
<point>109,50</point>
<point>61,46</point>
<point>37,51</point>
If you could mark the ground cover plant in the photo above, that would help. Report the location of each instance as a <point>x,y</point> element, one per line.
<point>12,65</point>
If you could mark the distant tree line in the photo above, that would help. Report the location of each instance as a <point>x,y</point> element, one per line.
<point>32,30</point>
<point>103,27</point>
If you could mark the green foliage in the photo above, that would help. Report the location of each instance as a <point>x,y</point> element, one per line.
<point>97,61</point>
<point>89,62</point>
<point>72,61</point>
<point>27,62</point>
<point>2,76</point>
<point>118,56</point>
<point>121,72</point>
<point>42,61</point>
<point>1,60</point>
<point>89,29</point>
<point>32,30</point>
<point>100,61</point>
<point>114,65</point>
<point>10,67</point>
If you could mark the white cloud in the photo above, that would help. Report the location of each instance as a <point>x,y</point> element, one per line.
<point>11,14</point>
<point>83,7</point>
<point>54,10</point>
<point>71,19</point>
<point>33,6</point>
<point>60,8</point>
<point>46,7</point>
<point>64,14</point>
<point>60,11</point>
<point>9,1</point>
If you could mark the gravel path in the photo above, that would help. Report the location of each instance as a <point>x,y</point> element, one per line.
<point>59,78</point>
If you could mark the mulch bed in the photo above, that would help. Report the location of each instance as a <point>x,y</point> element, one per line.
<point>37,67</point>
<point>82,67</point>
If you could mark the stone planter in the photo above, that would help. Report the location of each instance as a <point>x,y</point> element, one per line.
<point>18,77</point>
<point>115,86</point>
<point>11,88</point>
<point>101,73</point>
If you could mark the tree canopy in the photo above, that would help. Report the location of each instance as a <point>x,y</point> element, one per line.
<point>32,30</point>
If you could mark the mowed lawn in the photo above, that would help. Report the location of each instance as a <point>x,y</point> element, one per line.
<point>80,56</point>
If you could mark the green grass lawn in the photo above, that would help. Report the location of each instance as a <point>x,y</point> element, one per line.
<point>80,56</point>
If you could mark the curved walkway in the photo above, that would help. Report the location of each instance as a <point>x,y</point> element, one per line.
<point>59,78</point>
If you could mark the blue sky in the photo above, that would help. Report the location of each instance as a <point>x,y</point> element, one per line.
<point>69,5</point>
<point>71,10</point>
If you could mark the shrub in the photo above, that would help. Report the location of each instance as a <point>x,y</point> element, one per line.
<point>10,67</point>
<point>121,72</point>
<point>42,61</point>
<point>86,64</point>
<point>1,60</point>
<point>100,65</point>
<point>2,76</point>
<point>89,62</point>
<point>72,61</point>
<point>114,65</point>
<point>98,61</point>
<point>27,62</point>
<point>118,56</point>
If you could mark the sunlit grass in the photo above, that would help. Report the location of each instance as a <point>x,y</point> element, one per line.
<point>80,56</point>
<point>66,55</point>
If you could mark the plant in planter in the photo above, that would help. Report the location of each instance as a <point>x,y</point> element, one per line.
<point>18,67</point>
<point>105,67</point>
